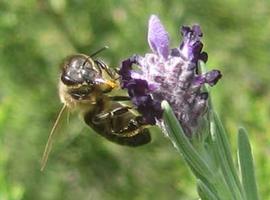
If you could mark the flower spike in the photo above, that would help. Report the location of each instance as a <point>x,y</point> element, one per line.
<point>171,75</point>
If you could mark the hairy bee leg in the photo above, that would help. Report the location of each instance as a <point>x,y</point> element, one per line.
<point>125,129</point>
<point>115,112</point>
<point>108,70</point>
<point>119,98</point>
<point>136,123</point>
<point>116,70</point>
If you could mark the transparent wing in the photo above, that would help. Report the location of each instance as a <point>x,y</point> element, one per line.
<point>119,125</point>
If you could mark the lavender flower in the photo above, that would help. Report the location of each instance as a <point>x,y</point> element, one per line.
<point>169,74</point>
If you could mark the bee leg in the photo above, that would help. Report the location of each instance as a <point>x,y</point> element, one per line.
<point>116,70</point>
<point>133,126</point>
<point>109,115</point>
<point>119,98</point>
<point>108,70</point>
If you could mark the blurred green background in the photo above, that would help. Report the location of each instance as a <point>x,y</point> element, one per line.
<point>35,36</point>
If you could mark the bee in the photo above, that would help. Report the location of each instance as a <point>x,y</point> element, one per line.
<point>85,85</point>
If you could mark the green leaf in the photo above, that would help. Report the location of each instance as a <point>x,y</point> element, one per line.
<point>225,156</point>
<point>205,192</point>
<point>182,143</point>
<point>246,165</point>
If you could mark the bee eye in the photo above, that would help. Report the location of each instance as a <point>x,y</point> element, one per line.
<point>88,75</point>
<point>67,80</point>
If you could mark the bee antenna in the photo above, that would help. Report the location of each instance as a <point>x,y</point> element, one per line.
<point>98,51</point>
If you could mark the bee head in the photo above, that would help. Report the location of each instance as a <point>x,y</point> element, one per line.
<point>79,69</point>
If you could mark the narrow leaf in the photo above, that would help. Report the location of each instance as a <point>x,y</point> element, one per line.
<point>225,155</point>
<point>182,143</point>
<point>205,192</point>
<point>246,166</point>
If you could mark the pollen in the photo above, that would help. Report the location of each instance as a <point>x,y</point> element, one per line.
<point>112,84</point>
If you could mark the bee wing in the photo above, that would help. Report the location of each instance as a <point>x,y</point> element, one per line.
<point>48,146</point>
<point>118,127</point>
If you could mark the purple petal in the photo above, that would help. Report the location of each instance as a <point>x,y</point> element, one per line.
<point>149,108</point>
<point>199,80</point>
<point>158,38</point>
<point>197,30</point>
<point>126,70</point>
<point>139,90</point>
<point>175,52</point>
<point>191,46</point>
<point>136,74</point>
<point>211,78</point>
<point>203,56</point>
<point>137,87</point>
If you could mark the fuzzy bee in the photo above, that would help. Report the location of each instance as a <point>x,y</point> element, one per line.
<point>86,85</point>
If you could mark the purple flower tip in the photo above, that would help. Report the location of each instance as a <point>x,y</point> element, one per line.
<point>191,46</point>
<point>210,77</point>
<point>158,38</point>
